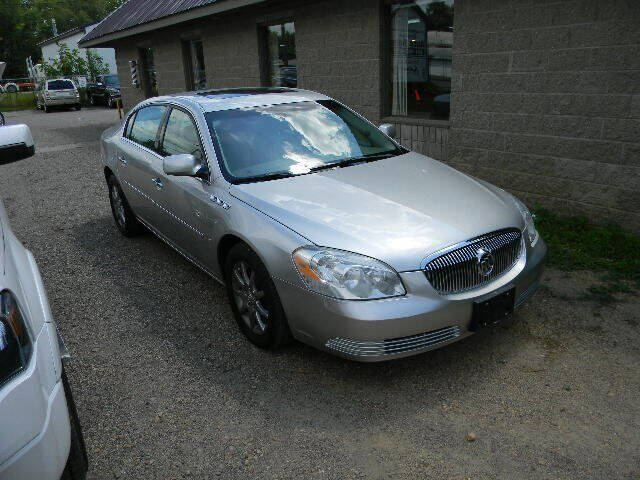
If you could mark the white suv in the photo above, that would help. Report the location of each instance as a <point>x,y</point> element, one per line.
<point>40,435</point>
<point>60,92</point>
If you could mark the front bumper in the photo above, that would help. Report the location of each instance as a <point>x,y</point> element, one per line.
<point>421,320</point>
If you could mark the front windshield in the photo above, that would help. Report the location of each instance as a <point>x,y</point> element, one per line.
<point>112,80</point>
<point>293,139</point>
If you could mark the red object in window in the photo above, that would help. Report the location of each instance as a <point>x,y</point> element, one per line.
<point>417,95</point>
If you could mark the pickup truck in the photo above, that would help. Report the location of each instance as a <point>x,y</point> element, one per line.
<point>105,90</point>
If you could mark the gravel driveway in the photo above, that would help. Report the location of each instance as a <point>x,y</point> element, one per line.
<point>167,388</point>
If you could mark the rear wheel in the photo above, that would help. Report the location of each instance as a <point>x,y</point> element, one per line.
<point>254,299</point>
<point>77,462</point>
<point>126,221</point>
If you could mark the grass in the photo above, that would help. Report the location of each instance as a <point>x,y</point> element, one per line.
<point>17,101</point>
<point>576,244</point>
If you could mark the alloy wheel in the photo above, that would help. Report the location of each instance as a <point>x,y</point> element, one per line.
<point>248,298</point>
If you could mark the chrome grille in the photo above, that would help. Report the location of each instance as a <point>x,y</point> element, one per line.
<point>457,268</point>
<point>392,346</point>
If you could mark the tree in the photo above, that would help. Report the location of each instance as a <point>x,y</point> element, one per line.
<point>68,63</point>
<point>24,23</point>
<point>95,65</point>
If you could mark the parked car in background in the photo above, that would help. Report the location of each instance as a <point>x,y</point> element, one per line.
<point>320,225</point>
<point>104,91</point>
<point>40,434</point>
<point>57,93</point>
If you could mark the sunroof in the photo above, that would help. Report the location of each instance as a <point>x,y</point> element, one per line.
<point>242,92</point>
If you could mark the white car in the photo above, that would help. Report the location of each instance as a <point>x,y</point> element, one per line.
<point>40,435</point>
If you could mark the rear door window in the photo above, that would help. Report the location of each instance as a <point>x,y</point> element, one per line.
<point>181,136</point>
<point>146,124</point>
<point>60,85</point>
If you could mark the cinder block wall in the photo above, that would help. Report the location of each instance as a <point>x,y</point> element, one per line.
<point>546,102</point>
<point>338,53</point>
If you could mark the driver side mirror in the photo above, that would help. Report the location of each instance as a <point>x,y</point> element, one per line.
<point>16,143</point>
<point>184,165</point>
<point>388,129</point>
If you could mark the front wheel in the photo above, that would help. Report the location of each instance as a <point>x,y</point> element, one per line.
<point>254,299</point>
<point>126,221</point>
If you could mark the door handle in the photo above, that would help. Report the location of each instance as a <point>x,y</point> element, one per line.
<point>158,183</point>
<point>122,159</point>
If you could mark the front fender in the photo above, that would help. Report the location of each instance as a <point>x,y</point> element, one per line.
<point>272,241</point>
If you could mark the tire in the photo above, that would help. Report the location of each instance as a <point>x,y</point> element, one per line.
<point>77,462</point>
<point>124,217</point>
<point>45,108</point>
<point>273,331</point>
<point>78,107</point>
<point>2,120</point>
<point>92,101</point>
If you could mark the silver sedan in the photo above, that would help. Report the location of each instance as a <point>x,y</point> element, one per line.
<point>321,226</point>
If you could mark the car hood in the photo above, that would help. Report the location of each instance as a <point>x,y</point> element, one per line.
<point>398,210</point>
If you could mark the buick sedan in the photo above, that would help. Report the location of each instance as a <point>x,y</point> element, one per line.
<point>321,226</point>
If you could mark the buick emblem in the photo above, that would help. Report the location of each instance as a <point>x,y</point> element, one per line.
<point>485,261</point>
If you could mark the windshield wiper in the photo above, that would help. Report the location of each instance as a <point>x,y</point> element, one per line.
<point>353,160</point>
<point>263,178</point>
<point>327,166</point>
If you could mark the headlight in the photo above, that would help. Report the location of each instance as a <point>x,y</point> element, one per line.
<point>15,345</point>
<point>530,227</point>
<point>346,275</point>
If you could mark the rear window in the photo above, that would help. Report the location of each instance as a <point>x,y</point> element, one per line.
<point>60,85</point>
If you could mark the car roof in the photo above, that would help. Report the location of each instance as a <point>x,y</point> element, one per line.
<point>233,98</point>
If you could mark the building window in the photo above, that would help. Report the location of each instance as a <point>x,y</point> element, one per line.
<point>148,72</point>
<point>421,46</point>
<point>196,77</point>
<point>280,51</point>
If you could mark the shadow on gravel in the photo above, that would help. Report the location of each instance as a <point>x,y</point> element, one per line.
<point>166,299</point>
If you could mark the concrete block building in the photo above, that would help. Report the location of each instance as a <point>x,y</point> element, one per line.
<point>541,97</point>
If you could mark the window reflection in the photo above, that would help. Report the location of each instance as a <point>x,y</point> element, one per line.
<point>146,124</point>
<point>149,78</point>
<point>281,49</point>
<point>181,136</point>
<point>194,58</point>
<point>292,138</point>
<point>422,41</point>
